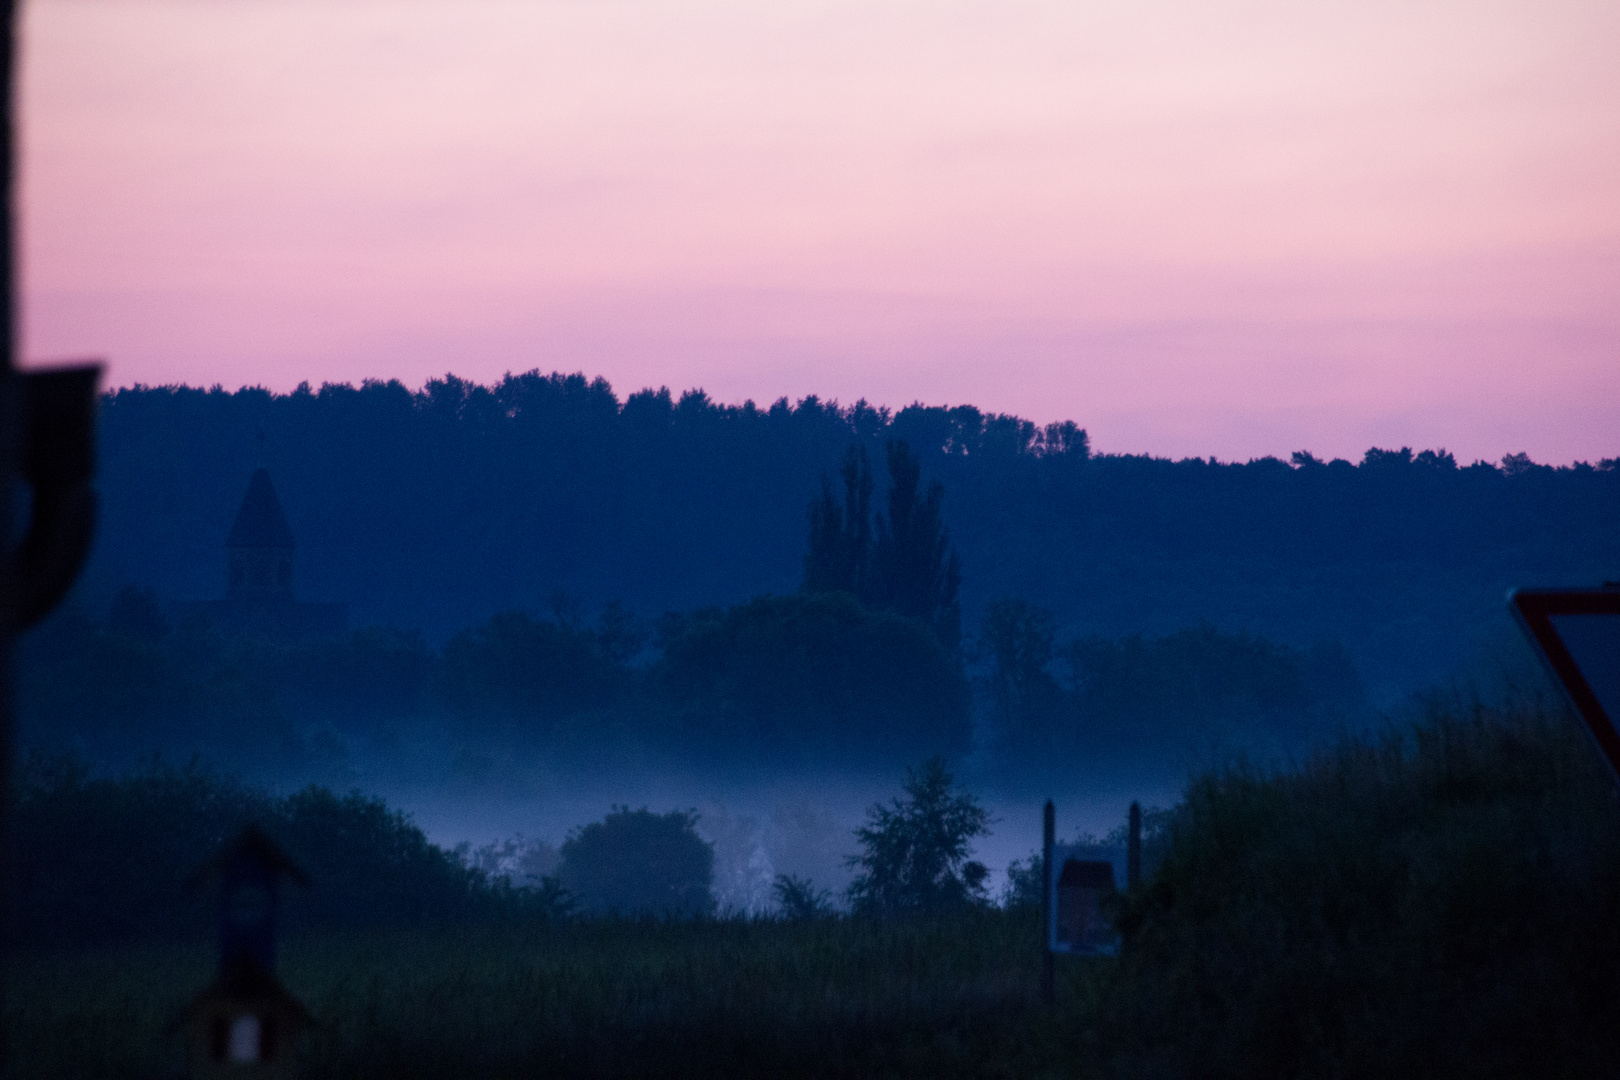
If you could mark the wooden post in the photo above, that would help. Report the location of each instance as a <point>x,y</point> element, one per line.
<point>1048,836</point>
<point>1133,850</point>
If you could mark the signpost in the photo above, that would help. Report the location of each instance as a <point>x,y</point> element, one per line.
<point>1075,885</point>
<point>1076,924</point>
<point>1577,632</point>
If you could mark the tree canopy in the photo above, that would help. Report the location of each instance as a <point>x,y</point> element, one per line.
<point>916,849</point>
<point>636,862</point>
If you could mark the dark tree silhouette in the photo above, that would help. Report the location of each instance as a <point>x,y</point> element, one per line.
<point>1018,638</point>
<point>915,569</point>
<point>916,858</point>
<point>839,553</point>
<point>635,862</point>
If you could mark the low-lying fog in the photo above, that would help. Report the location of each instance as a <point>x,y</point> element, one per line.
<point>762,821</point>
<point>512,809</point>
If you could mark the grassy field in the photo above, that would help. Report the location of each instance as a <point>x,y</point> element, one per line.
<point>947,997</point>
<point>1441,902</point>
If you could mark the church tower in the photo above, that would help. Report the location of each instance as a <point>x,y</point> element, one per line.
<point>260,546</point>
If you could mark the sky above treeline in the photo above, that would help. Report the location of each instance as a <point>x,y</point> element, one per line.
<point>1196,228</point>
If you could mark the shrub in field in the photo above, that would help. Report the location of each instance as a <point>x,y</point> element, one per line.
<point>636,862</point>
<point>916,858</point>
<point>1023,888</point>
<point>1445,903</point>
<point>800,899</point>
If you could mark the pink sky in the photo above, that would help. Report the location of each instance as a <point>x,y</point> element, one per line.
<point>1193,227</point>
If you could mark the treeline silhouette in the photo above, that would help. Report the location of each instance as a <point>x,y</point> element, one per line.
<point>437,508</point>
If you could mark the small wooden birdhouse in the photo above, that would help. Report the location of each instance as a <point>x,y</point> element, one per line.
<point>248,870</point>
<point>244,1024</point>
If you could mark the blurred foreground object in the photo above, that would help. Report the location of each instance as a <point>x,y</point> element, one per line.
<point>245,1023</point>
<point>1577,632</point>
<point>56,459</point>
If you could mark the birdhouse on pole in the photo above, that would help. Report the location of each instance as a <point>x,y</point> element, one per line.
<point>244,1024</point>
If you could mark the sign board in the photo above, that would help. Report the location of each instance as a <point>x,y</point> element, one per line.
<point>1078,886</point>
<point>1578,633</point>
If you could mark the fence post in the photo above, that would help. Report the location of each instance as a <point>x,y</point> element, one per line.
<point>1133,850</point>
<point>1048,835</point>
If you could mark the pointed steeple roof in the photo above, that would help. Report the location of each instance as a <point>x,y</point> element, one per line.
<point>260,522</point>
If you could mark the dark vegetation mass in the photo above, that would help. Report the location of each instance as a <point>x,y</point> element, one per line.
<point>436,509</point>
<point>108,859</point>
<point>798,679</point>
<point>542,562</point>
<point>864,665</point>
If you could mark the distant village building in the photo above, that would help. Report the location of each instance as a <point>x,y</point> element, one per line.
<point>259,599</point>
<point>260,546</point>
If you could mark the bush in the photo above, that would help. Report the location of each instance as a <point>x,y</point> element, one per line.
<point>635,862</point>
<point>800,899</point>
<point>103,859</point>
<point>1438,904</point>
<point>916,859</point>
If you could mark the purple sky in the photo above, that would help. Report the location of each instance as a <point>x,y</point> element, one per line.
<point>1193,227</point>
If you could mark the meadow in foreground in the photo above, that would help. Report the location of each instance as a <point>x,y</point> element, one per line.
<point>1440,902</point>
<point>948,996</point>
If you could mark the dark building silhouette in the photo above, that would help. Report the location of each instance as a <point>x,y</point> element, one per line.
<point>259,599</point>
<point>260,546</point>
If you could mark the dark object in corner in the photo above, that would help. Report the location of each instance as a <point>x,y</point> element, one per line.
<point>57,461</point>
<point>1577,632</point>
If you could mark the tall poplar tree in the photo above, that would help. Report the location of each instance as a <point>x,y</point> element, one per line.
<point>915,569</point>
<point>839,555</point>
<point>907,565</point>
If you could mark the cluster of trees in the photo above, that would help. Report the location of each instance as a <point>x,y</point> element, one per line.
<point>1207,692</point>
<point>110,858</point>
<point>805,677</point>
<point>799,677</point>
<point>103,858</point>
<point>637,862</point>
<point>865,662</point>
<point>436,508</point>
<point>905,563</point>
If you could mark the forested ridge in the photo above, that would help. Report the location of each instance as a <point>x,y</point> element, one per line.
<point>434,509</point>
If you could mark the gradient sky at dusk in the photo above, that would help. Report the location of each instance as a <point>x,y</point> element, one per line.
<point>1232,228</point>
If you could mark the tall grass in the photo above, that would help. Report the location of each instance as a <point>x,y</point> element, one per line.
<point>1444,901</point>
<point>952,996</point>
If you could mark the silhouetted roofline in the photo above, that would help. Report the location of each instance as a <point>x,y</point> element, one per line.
<point>254,845</point>
<point>259,521</point>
